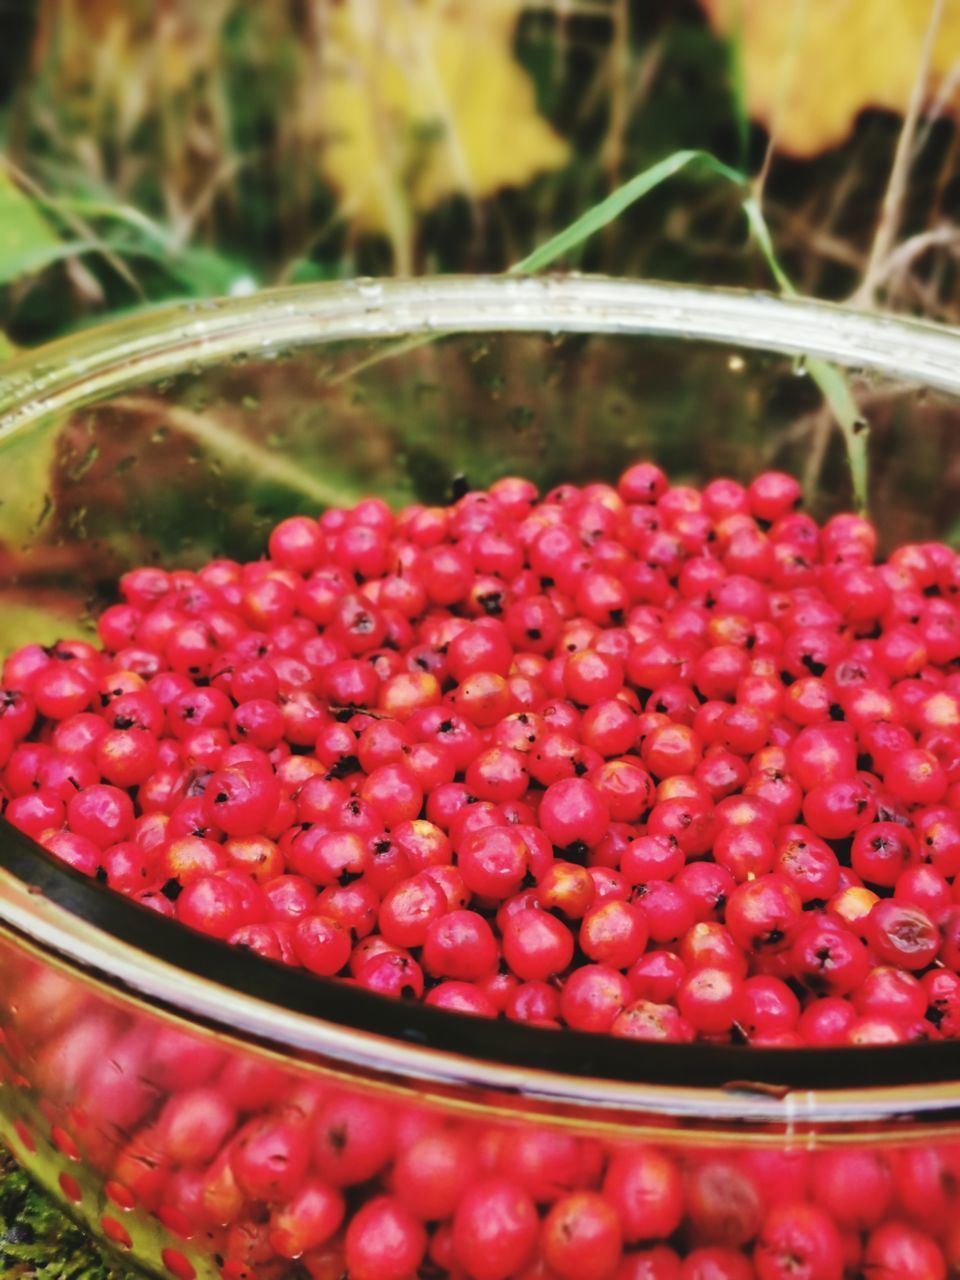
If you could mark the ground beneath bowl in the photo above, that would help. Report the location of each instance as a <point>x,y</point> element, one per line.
<point>37,1242</point>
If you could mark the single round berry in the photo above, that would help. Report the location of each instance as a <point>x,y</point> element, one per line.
<point>897,1249</point>
<point>902,934</point>
<point>241,799</point>
<point>572,812</point>
<point>536,945</point>
<point>644,1187</point>
<point>581,1237</point>
<point>495,1229</point>
<point>384,1241</point>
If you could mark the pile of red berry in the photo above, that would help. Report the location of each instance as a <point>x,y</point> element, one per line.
<point>251,1169</point>
<point>663,762</point>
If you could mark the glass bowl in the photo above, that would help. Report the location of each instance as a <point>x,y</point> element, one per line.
<point>211,1114</point>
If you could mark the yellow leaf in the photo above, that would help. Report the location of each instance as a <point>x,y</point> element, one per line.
<point>812,65</point>
<point>425,100</point>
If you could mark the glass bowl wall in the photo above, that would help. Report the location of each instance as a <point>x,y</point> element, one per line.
<point>139,1064</point>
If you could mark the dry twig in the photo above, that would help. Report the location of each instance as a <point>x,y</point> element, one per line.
<point>892,209</point>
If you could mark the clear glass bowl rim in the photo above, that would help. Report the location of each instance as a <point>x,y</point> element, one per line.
<point>164,340</point>
<point>87,928</point>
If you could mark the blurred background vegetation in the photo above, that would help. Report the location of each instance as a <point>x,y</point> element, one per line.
<point>156,149</point>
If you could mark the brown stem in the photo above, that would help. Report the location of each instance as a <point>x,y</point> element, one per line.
<point>892,208</point>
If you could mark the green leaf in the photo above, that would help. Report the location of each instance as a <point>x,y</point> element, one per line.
<point>28,242</point>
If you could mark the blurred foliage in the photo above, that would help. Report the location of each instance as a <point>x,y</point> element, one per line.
<point>158,150</point>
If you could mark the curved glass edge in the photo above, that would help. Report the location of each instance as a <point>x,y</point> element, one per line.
<point>75,370</point>
<point>98,933</point>
<point>127,948</point>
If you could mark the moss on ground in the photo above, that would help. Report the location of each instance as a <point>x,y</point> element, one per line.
<point>37,1242</point>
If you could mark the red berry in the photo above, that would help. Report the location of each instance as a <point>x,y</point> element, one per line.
<point>495,1229</point>
<point>897,1249</point>
<point>798,1242</point>
<point>644,1186</point>
<point>536,945</point>
<point>353,1139</point>
<point>308,1219</point>
<point>835,810</point>
<point>60,690</point>
<point>709,999</point>
<point>572,812</point>
<point>494,862</point>
<point>764,914</point>
<point>855,1187</point>
<point>593,997</point>
<point>828,958</point>
<point>724,1204</point>
<point>409,908</point>
<point>581,1237</point>
<point>916,777</point>
<point>241,799</point>
<point>211,905</point>
<point>102,814</point>
<point>321,945</point>
<point>459,945</point>
<point>269,1158</point>
<point>431,1175</point>
<point>716,1263</point>
<point>384,1241</point>
<point>902,934</point>
<point>566,888</point>
<point>194,1124</point>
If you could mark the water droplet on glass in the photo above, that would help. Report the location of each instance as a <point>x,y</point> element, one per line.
<point>369,288</point>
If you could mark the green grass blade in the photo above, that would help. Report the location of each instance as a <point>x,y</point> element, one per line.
<point>103,210</point>
<point>28,241</point>
<point>831,381</point>
<point>28,260</point>
<point>761,236</point>
<point>853,427</point>
<point>833,385</point>
<point>610,208</point>
<point>241,453</point>
<point>738,82</point>
<point>571,237</point>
